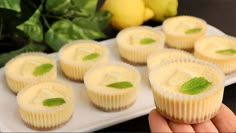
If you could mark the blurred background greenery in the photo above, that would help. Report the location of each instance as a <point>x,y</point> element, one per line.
<point>47,25</point>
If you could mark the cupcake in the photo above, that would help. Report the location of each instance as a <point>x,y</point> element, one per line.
<point>182,31</point>
<point>220,50</point>
<point>165,54</point>
<point>78,56</point>
<point>112,86</point>
<point>136,43</point>
<point>29,68</point>
<point>184,90</point>
<point>46,105</point>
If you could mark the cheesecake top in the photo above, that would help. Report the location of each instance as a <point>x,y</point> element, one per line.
<point>140,37</point>
<point>165,54</point>
<point>83,51</point>
<point>115,77</point>
<point>170,76</point>
<point>45,96</point>
<point>184,25</point>
<point>215,46</point>
<point>30,65</point>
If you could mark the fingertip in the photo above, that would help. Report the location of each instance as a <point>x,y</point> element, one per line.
<point>225,120</point>
<point>157,122</point>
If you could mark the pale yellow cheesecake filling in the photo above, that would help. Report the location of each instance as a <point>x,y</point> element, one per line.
<point>167,79</point>
<point>182,31</point>
<point>211,44</point>
<point>24,74</point>
<point>133,38</point>
<point>76,53</point>
<point>27,66</point>
<point>220,50</point>
<point>179,25</point>
<point>109,98</point>
<point>78,56</point>
<point>165,54</point>
<point>173,76</point>
<point>136,43</point>
<point>36,114</point>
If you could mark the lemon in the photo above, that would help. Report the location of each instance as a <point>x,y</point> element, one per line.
<point>127,13</point>
<point>162,8</point>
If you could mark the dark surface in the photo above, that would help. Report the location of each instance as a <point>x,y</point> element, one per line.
<point>219,13</point>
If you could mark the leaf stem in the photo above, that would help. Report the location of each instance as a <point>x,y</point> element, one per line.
<point>31,4</point>
<point>1,27</point>
<point>55,17</point>
<point>45,21</point>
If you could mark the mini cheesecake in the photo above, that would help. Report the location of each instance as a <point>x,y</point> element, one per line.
<point>46,105</point>
<point>182,31</point>
<point>165,54</point>
<point>78,56</point>
<point>112,86</point>
<point>220,50</point>
<point>136,43</point>
<point>184,90</point>
<point>29,68</point>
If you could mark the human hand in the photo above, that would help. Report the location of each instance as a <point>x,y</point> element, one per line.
<point>224,121</point>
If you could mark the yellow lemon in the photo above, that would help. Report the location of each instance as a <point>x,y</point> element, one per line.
<point>127,12</point>
<point>162,8</point>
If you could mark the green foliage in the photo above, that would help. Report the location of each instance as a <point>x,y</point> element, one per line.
<point>48,24</point>
<point>11,5</point>
<point>33,27</point>
<point>27,48</point>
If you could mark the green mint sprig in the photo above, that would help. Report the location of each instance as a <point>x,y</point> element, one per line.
<point>42,69</point>
<point>195,85</point>
<point>120,85</point>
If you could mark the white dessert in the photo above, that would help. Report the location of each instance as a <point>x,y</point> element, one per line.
<point>220,50</point>
<point>108,98</point>
<point>78,56</point>
<point>165,54</point>
<point>189,107</point>
<point>24,74</point>
<point>182,31</point>
<point>136,43</point>
<point>36,114</point>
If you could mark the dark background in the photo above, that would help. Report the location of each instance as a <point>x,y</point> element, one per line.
<point>218,13</point>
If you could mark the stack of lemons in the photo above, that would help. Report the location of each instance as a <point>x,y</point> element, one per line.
<point>128,13</point>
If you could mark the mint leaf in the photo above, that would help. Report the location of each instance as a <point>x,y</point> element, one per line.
<point>120,85</point>
<point>42,69</point>
<point>53,102</point>
<point>193,30</point>
<point>226,51</point>
<point>91,56</point>
<point>145,41</point>
<point>195,85</point>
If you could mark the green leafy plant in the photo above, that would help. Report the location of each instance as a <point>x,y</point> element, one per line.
<point>47,25</point>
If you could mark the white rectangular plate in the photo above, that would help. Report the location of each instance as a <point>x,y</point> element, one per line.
<point>86,117</point>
